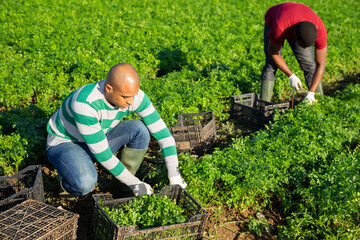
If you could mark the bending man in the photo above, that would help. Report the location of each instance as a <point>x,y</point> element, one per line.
<point>302,28</point>
<point>88,128</point>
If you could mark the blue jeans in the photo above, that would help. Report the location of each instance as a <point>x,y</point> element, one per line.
<point>304,56</point>
<point>75,162</point>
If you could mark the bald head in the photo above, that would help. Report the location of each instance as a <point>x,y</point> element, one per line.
<point>122,74</point>
<point>122,84</point>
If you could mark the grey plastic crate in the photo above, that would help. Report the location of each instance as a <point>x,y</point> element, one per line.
<point>194,131</point>
<point>32,219</point>
<point>26,184</point>
<point>102,227</point>
<point>250,110</point>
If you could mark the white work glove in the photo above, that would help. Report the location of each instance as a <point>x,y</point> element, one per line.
<point>141,189</point>
<point>178,180</point>
<point>310,97</point>
<point>295,82</point>
<point>138,187</point>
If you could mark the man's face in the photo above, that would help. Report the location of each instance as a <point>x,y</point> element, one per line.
<point>121,97</point>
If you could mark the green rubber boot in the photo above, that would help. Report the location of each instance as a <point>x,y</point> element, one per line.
<point>132,158</point>
<point>266,90</point>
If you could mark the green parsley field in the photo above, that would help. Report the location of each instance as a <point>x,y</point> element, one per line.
<point>296,179</point>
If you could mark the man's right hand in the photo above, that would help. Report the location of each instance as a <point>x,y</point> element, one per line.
<point>310,97</point>
<point>295,82</point>
<point>138,187</point>
<point>141,189</point>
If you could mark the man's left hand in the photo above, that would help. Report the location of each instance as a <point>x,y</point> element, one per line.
<point>310,97</point>
<point>178,180</point>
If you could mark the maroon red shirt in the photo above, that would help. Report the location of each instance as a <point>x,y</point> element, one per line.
<point>282,18</point>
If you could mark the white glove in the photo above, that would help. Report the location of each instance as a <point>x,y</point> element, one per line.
<point>141,189</point>
<point>310,97</point>
<point>295,82</point>
<point>178,180</point>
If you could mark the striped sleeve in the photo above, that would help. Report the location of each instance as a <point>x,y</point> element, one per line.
<point>160,132</point>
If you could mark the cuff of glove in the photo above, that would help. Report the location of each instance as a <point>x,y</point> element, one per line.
<point>292,76</point>
<point>178,180</point>
<point>310,95</point>
<point>127,178</point>
<point>141,189</point>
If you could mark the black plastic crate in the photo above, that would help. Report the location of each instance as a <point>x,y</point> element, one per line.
<point>250,110</point>
<point>36,220</point>
<point>26,184</point>
<point>194,131</point>
<point>103,228</point>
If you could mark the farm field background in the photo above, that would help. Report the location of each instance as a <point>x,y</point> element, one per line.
<point>302,172</point>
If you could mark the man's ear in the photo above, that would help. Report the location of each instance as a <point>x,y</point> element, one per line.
<point>108,88</point>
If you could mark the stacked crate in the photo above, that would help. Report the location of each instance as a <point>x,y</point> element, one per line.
<point>24,213</point>
<point>33,219</point>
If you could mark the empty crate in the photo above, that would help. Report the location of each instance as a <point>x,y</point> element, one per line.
<point>194,131</point>
<point>36,220</point>
<point>104,228</point>
<point>250,110</point>
<point>26,184</point>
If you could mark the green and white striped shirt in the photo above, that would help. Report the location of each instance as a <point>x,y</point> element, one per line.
<point>86,116</point>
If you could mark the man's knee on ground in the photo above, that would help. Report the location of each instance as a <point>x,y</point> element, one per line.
<point>85,184</point>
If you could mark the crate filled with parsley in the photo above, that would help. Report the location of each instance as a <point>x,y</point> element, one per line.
<point>170,214</point>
